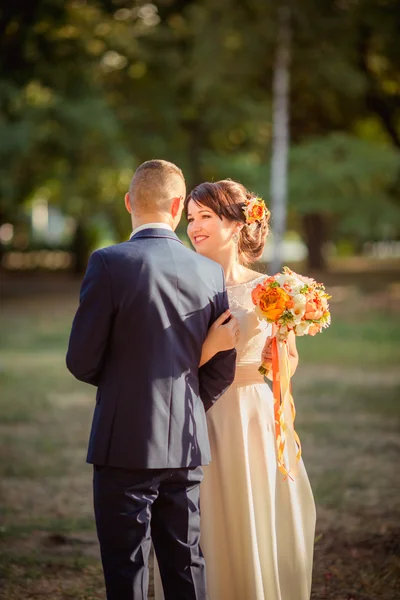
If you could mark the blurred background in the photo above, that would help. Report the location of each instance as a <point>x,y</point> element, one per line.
<point>299,101</point>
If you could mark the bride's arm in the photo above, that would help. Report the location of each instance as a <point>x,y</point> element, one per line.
<point>221,336</point>
<point>293,354</point>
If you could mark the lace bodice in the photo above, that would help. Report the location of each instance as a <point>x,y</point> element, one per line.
<point>253,331</point>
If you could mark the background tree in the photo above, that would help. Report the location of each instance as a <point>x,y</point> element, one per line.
<point>89,90</point>
<point>281,136</point>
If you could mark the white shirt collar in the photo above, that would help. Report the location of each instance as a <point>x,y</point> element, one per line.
<point>151,226</point>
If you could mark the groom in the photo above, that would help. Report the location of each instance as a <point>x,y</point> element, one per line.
<point>145,309</point>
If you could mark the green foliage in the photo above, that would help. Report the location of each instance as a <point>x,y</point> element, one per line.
<point>90,90</point>
<point>57,127</point>
<point>348,179</point>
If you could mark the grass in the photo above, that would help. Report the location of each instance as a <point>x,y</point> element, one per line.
<point>366,340</point>
<point>347,393</point>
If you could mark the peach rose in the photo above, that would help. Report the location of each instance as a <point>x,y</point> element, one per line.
<point>314,328</point>
<point>314,308</point>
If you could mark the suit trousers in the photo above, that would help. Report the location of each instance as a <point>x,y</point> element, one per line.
<point>134,508</point>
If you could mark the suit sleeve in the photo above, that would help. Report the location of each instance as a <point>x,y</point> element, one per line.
<point>92,323</point>
<point>218,373</point>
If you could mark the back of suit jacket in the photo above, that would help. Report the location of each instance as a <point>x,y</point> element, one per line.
<point>145,308</point>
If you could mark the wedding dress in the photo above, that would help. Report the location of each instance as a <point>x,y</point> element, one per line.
<point>257,528</point>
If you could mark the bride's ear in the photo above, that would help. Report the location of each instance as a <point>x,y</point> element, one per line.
<point>239,227</point>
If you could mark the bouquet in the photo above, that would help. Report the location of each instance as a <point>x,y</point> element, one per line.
<point>291,302</point>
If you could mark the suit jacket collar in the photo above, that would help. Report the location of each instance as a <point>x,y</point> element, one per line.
<point>155,233</point>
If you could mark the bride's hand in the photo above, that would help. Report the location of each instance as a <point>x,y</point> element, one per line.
<point>221,336</point>
<point>266,354</point>
<point>224,336</point>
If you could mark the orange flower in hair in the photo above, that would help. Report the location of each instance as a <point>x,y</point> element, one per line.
<point>255,210</point>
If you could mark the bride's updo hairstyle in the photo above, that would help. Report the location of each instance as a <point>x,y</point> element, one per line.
<point>227,199</point>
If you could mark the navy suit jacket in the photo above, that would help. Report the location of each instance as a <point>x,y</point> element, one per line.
<point>145,308</point>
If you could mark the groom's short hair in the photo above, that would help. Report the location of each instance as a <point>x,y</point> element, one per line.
<point>154,184</point>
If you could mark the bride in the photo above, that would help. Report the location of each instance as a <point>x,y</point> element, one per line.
<point>257,529</point>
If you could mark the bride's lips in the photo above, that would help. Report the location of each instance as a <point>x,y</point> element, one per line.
<point>199,238</point>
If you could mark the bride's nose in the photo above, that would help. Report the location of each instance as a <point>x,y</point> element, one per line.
<point>196,227</point>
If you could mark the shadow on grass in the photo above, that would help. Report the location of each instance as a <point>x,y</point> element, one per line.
<point>357,566</point>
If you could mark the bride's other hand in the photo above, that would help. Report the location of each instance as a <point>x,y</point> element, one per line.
<point>266,355</point>
<point>221,336</point>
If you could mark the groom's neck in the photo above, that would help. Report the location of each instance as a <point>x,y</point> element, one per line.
<point>138,220</point>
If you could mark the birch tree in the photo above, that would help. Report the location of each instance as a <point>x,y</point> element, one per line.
<point>280,136</point>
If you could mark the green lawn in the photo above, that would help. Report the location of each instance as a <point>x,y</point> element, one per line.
<point>347,393</point>
<point>363,341</point>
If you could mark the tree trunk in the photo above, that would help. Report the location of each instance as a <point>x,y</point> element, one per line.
<point>385,106</point>
<point>280,137</point>
<point>80,247</point>
<point>315,234</point>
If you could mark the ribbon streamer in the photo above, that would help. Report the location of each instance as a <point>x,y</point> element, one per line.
<point>288,455</point>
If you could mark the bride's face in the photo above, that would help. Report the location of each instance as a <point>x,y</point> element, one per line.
<point>209,233</point>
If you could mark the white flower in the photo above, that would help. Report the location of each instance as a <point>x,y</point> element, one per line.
<point>291,282</point>
<point>299,307</point>
<point>296,289</point>
<point>299,299</point>
<point>282,278</point>
<point>326,321</point>
<point>302,328</point>
<point>298,311</point>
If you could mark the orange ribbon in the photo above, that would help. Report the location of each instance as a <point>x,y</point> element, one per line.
<point>284,409</point>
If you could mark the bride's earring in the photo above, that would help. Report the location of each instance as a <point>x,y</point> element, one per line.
<point>235,239</point>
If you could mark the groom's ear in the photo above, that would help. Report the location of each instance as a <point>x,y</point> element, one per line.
<point>128,203</point>
<point>176,206</point>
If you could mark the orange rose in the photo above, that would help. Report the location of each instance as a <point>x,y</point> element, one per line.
<point>254,210</point>
<point>257,212</point>
<point>257,292</point>
<point>273,302</point>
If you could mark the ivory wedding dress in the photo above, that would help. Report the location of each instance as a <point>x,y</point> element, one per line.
<point>257,528</point>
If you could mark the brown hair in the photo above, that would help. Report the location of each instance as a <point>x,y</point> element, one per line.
<point>154,184</point>
<point>227,199</point>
